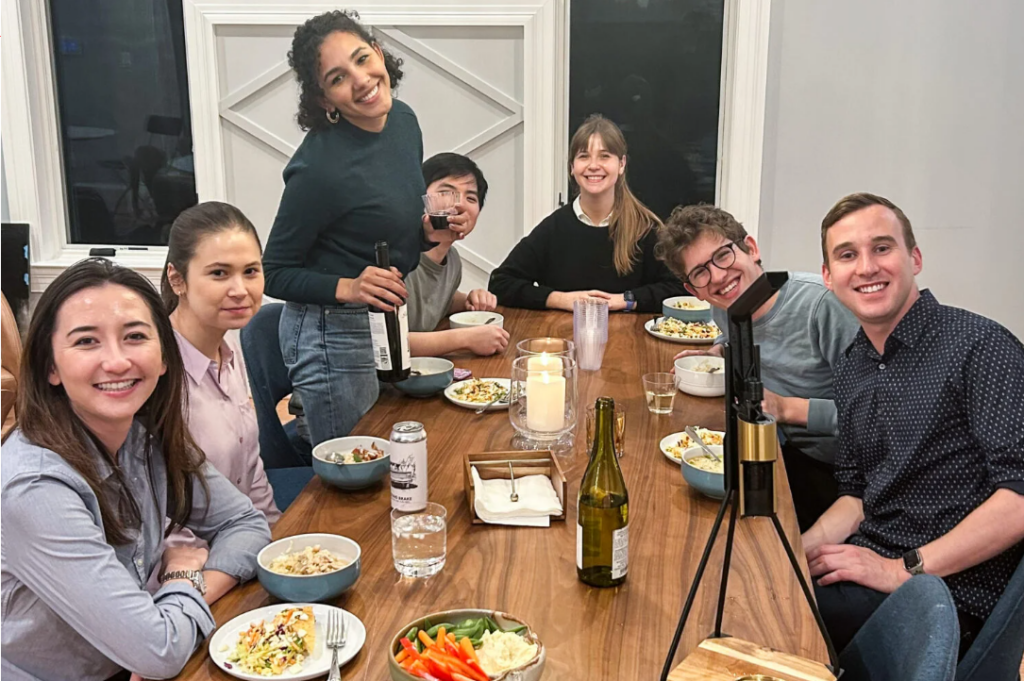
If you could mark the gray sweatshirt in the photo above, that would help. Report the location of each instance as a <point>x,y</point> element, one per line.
<point>802,340</point>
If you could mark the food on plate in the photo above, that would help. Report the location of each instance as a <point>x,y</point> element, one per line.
<point>311,560</point>
<point>706,463</point>
<point>275,648</point>
<point>670,326</point>
<point>501,651</point>
<point>705,367</point>
<point>357,455</point>
<point>690,305</point>
<point>710,437</point>
<point>479,391</point>
<point>472,649</point>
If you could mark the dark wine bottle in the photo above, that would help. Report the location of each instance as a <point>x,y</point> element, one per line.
<point>390,333</point>
<point>602,532</point>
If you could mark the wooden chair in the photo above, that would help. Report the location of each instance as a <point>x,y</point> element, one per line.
<point>11,366</point>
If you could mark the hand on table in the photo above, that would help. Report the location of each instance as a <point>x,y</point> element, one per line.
<point>486,340</point>
<point>482,300</point>
<point>378,287</point>
<point>848,563</point>
<point>563,300</point>
<point>616,302</point>
<point>712,351</point>
<point>184,558</point>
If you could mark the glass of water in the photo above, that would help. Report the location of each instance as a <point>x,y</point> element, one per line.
<point>660,389</point>
<point>419,540</point>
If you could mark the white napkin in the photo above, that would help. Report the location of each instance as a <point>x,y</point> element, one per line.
<point>537,501</point>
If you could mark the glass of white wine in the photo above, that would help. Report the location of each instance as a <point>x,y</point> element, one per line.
<point>660,389</point>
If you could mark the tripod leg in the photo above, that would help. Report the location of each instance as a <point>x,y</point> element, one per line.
<point>725,570</point>
<point>696,583</point>
<point>833,658</point>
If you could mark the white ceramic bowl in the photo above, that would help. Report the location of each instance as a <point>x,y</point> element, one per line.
<point>465,320</point>
<point>700,383</point>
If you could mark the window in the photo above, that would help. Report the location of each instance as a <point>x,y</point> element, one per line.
<point>654,67</point>
<point>125,125</point>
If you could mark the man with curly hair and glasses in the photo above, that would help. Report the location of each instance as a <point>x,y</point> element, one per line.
<point>802,330</point>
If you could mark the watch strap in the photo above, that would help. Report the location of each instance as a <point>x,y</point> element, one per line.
<point>913,562</point>
<point>194,576</point>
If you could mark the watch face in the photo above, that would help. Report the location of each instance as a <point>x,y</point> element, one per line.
<point>911,560</point>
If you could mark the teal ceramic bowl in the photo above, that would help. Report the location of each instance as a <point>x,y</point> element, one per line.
<point>695,310</point>
<point>309,588</point>
<point>531,671</point>
<point>351,476</point>
<point>431,376</point>
<point>705,482</point>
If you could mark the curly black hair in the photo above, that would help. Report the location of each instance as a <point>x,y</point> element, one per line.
<point>304,58</point>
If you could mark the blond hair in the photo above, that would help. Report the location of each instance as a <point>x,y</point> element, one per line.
<point>630,219</point>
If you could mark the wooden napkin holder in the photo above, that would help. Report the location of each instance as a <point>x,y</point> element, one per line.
<point>523,463</point>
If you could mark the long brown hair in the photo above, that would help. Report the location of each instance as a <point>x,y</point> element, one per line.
<point>630,219</point>
<point>46,417</point>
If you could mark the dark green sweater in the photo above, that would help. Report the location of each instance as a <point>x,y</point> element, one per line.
<point>564,254</point>
<point>345,189</point>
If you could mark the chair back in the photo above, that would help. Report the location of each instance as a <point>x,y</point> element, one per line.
<point>269,382</point>
<point>11,365</point>
<point>913,636</point>
<point>997,652</point>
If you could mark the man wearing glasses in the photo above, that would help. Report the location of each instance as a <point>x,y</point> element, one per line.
<point>802,330</point>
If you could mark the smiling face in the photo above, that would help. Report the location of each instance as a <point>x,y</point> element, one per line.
<point>106,355</point>
<point>223,285</point>
<point>870,268</point>
<point>595,169</point>
<point>469,201</point>
<point>354,80</point>
<point>728,284</point>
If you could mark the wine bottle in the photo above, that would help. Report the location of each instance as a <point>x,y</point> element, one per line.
<point>390,333</point>
<point>602,509</point>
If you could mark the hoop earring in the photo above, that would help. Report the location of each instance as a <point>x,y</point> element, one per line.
<point>332,116</point>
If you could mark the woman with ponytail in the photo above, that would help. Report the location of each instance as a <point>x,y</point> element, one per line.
<point>212,284</point>
<point>602,244</point>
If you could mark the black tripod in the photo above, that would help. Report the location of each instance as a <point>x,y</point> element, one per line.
<point>753,485</point>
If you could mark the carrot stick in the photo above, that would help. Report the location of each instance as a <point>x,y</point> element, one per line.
<point>402,654</point>
<point>441,635</point>
<point>451,637</point>
<point>427,641</point>
<point>467,647</point>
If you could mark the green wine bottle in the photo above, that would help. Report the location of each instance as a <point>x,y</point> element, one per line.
<point>602,531</point>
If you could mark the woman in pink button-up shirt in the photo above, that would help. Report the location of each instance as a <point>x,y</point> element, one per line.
<point>213,283</point>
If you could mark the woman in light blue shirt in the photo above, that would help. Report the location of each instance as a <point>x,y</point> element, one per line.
<point>101,457</point>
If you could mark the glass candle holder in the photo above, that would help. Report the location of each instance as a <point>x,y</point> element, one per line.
<point>543,401</point>
<point>551,347</point>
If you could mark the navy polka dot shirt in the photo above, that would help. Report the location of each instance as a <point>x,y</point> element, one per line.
<point>929,431</point>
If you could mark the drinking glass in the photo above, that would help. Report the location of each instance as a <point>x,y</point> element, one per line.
<point>660,389</point>
<point>439,206</point>
<point>419,540</point>
<point>590,331</point>
<point>620,430</point>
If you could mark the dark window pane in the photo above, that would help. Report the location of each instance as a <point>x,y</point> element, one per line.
<point>653,67</point>
<point>126,128</point>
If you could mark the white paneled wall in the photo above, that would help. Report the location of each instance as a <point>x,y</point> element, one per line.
<point>482,80</point>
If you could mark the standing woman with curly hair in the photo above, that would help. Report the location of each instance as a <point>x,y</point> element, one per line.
<point>353,181</point>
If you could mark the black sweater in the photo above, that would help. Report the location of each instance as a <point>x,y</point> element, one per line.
<point>345,189</point>
<point>564,254</point>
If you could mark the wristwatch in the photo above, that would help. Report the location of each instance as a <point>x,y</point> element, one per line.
<point>194,576</point>
<point>630,300</point>
<point>913,562</point>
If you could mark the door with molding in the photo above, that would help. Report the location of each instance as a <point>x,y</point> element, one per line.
<point>486,80</point>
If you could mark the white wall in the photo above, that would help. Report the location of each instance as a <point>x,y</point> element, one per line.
<point>921,101</point>
<point>5,214</point>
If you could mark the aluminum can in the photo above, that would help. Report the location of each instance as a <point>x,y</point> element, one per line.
<point>408,466</point>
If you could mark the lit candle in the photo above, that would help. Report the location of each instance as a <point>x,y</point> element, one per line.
<point>544,362</point>
<point>545,402</point>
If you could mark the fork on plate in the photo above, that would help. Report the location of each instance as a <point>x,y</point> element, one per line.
<point>337,631</point>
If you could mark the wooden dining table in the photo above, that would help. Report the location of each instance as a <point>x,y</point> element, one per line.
<point>589,633</point>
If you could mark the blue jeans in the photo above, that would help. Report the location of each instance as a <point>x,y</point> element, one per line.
<point>329,356</point>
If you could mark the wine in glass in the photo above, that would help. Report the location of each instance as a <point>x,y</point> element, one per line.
<point>438,206</point>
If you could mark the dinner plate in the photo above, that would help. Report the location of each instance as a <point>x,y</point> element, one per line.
<point>671,440</point>
<point>316,665</point>
<point>649,327</point>
<point>449,392</point>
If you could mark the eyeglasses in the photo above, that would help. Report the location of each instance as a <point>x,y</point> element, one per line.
<point>700,276</point>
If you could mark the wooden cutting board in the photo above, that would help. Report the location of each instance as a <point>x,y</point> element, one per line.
<point>727,659</point>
